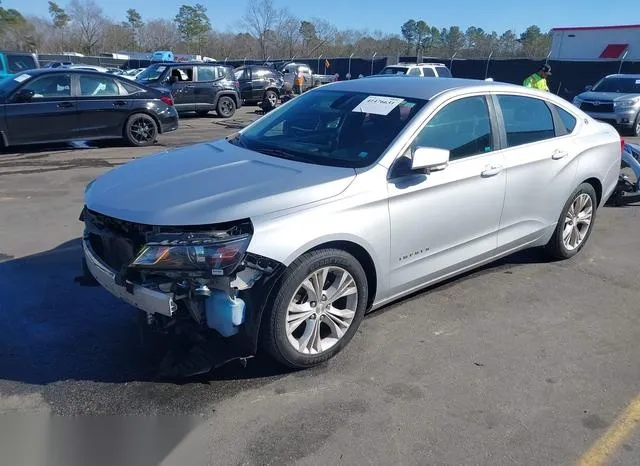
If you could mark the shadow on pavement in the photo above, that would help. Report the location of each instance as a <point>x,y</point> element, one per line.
<point>55,329</point>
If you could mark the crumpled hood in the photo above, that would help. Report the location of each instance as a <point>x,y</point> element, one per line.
<point>606,96</point>
<point>210,183</point>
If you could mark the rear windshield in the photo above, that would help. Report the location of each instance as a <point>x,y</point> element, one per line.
<point>20,62</point>
<point>394,70</point>
<point>620,85</point>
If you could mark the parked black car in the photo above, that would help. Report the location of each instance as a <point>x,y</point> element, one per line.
<point>57,105</point>
<point>196,87</point>
<point>258,83</point>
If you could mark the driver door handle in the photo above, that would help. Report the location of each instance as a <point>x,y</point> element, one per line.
<point>65,105</point>
<point>491,170</point>
<point>559,154</point>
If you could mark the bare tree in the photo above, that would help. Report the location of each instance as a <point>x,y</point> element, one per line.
<point>261,17</point>
<point>88,21</point>
<point>158,34</point>
<point>289,34</point>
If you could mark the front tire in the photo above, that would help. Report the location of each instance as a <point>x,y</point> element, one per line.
<point>140,130</point>
<point>317,308</point>
<point>226,107</point>
<point>575,223</point>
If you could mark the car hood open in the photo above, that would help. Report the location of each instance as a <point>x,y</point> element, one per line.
<point>211,183</point>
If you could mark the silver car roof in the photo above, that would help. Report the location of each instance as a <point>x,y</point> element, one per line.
<point>413,87</point>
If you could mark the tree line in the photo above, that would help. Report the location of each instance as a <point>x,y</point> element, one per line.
<point>264,31</point>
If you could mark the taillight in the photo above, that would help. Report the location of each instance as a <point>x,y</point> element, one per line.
<point>621,145</point>
<point>167,100</point>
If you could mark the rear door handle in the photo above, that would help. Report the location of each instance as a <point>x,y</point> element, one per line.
<point>189,87</point>
<point>119,103</point>
<point>559,154</point>
<point>491,170</point>
<point>65,105</point>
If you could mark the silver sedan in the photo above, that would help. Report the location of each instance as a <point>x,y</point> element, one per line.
<point>342,200</point>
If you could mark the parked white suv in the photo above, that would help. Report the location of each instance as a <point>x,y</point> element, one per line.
<point>426,70</point>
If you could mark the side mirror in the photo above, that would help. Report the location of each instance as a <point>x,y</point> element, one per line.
<point>588,88</point>
<point>24,95</point>
<point>429,159</point>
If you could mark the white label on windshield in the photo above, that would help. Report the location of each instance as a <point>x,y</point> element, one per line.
<point>161,69</point>
<point>378,105</point>
<point>22,77</point>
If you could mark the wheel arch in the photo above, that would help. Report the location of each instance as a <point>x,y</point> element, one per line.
<point>597,186</point>
<point>233,95</point>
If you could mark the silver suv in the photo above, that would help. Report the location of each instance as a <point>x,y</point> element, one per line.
<point>425,70</point>
<point>615,99</point>
<point>340,201</point>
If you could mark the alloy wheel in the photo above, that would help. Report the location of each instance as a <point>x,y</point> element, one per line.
<point>142,130</point>
<point>322,310</point>
<point>577,222</point>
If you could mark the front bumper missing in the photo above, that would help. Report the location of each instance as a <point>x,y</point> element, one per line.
<point>150,301</point>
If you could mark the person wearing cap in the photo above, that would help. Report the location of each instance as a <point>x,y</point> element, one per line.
<point>538,80</point>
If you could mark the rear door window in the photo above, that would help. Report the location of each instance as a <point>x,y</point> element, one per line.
<point>526,119</point>
<point>428,72</point>
<point>98,86</point>
<point>207,73</point>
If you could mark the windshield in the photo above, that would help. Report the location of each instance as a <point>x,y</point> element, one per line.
<point>394,70</point>
<point>620,85</point>
<point>151,73</point>
<point>337,128</point>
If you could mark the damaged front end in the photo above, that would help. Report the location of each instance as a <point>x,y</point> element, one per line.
<point>196,281</point>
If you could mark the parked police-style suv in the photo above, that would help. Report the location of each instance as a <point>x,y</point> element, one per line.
<point>615,99</point>
<point>196,87</point>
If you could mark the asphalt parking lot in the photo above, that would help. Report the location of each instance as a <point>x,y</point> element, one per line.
<point>522,362</point>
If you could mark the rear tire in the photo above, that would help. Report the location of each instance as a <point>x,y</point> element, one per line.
<point>575,223</point>
<point>271,97</point>
<point>325,323</point>
<point>140,130</point>
<point>226,107</point>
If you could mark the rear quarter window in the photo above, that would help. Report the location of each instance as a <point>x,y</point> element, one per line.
<point>443,71</point>
<point>131,88</point>
<point>568,119</point>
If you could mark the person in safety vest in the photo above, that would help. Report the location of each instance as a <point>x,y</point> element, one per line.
<point>538,80</point>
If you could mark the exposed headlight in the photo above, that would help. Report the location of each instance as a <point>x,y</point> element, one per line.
<point>193,252</point>
<point>626,103</point>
